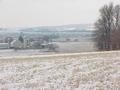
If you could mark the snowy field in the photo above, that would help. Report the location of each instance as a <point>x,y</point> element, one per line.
<point>64,47</point>
<point>85,71</point>
<point>72,47</point>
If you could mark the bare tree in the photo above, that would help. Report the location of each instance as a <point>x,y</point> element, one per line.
<point>106,26</point>
<point>116,17</point>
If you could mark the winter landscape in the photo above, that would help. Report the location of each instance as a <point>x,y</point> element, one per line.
<point>59,44</point>
<point>47,40</point>
<point>78,71</point>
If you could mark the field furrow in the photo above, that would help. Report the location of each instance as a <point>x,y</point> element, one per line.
<point>91,71</point>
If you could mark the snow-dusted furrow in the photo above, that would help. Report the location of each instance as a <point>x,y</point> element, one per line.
<point>100,71</point>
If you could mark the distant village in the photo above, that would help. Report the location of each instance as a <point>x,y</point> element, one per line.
<point>22,42</point>
<point>46,41</point>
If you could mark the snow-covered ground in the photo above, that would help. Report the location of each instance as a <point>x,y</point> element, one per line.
<point>86,71</point>
<point>64,47</point>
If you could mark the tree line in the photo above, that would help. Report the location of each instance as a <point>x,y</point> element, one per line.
<point>108,28</point>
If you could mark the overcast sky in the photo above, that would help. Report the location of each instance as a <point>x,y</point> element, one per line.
<point>27,13</point>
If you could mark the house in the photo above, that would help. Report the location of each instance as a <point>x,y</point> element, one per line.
<point>17,44</point>
<point>4,46</point>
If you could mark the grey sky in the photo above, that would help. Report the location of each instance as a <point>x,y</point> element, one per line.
<point>22,13</point>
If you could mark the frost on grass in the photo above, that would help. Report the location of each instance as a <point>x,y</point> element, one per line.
<point>80,72</point>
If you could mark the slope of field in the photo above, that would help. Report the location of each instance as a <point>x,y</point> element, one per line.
<point>86,71</point>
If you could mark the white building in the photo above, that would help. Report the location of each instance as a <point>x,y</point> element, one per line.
<point>17,44</point>
<point>4,45</point>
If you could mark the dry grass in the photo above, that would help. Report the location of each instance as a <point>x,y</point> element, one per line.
<point>86,71</point>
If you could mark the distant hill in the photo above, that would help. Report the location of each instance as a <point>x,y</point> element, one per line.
<point>70,27</point>
<point>55,28</point>
<point>72,30</point>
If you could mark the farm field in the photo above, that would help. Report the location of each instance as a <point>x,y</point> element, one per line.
<point>77,71</point>
<point>64,47</point>
<point>72,47</point>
